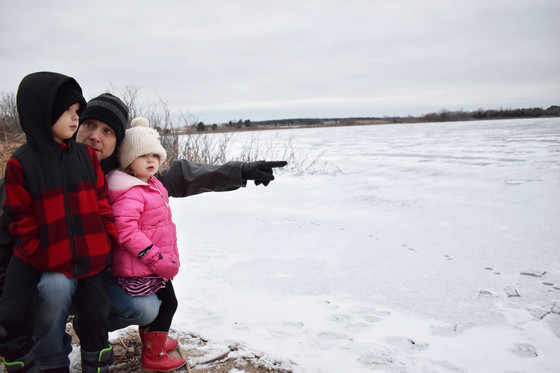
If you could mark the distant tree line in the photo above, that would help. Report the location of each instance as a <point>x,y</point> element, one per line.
<point>442,116</point>
<point>161,118</point>
<point>448,116</point>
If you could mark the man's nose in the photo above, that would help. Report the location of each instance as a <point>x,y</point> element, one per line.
<point>95,135</point>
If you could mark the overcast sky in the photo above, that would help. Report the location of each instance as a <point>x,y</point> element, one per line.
<point>223,60</point>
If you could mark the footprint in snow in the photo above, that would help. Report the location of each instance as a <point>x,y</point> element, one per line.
<point>485,294</point>
<point>371,318</point>
<point>524,350</point>
<point>406,246</point>
<point>330,339</point>
<point>511,291</point>
<point>406,344</point>
<point>341,318</point>
<point>533,273</point>
<point>294,324</point>
<point>491,269</point>
<point>350,323</point>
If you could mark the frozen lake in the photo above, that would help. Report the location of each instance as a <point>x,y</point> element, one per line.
<point>408,248</point>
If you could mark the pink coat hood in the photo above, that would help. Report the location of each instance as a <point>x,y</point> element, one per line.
<point>143,218</point>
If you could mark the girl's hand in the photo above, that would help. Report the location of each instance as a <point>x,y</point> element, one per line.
<point>165,267</point>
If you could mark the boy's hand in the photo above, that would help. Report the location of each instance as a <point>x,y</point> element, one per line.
<point>260,171</point>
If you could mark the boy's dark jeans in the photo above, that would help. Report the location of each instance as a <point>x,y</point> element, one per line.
<point>17,308</point>
<point>18,304</point>
<point>93,307</point>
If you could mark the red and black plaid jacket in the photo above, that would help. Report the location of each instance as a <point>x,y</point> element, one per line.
<point>56,195</point>
<point>59,208</point>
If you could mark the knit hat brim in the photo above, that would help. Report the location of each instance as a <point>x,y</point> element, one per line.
<point>110,110</point>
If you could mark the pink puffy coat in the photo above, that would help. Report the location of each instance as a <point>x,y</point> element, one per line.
<point>143,218</point>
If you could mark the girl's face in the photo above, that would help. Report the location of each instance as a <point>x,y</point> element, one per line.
<point>145,166</point>
<point>67,124</point>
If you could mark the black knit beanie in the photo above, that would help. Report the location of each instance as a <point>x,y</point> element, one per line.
<point>110,110</point>
<point>68,94</point>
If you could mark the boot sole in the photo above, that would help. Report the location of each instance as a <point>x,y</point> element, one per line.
<point>178,352</point>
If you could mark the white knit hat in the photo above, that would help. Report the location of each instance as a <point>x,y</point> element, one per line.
<point>138,140</point>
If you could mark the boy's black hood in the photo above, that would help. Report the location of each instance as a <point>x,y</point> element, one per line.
<point>36,97</point>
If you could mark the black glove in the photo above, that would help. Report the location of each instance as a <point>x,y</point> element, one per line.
<point>260,171</point>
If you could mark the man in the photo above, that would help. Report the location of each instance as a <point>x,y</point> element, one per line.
<point>102,126</point>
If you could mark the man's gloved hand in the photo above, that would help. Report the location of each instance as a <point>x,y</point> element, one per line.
<point>260,171</point>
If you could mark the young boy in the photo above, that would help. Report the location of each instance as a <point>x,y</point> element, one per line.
<point>56,197</point>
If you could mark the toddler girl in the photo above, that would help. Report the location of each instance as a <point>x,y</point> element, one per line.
<point>145,258</point>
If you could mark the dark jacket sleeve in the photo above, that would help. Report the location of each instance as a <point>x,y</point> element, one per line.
<point>185,178</point>
<point>6,239</point>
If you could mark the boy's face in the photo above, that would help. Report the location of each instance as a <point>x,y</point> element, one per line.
<point>99,136</point>
<point>67,124</point>
<point>145,166</point>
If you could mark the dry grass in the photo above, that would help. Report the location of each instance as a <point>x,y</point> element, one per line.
<point>6,150</point>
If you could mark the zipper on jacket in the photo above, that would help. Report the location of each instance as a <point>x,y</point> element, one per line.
<point>154,186</point>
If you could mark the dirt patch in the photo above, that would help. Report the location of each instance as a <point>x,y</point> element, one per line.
<point>202,355</point>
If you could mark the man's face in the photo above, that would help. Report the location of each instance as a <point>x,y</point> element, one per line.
<point>99,136</point>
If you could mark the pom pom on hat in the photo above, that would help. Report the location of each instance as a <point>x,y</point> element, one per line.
<point>138,140</point>
<point>139,122</point>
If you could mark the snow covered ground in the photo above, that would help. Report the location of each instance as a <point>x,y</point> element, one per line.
<point>411,248</point>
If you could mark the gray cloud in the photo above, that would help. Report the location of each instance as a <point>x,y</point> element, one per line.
<point>249,59</point>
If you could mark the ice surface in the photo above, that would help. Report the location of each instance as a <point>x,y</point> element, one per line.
<point>398,253</point>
